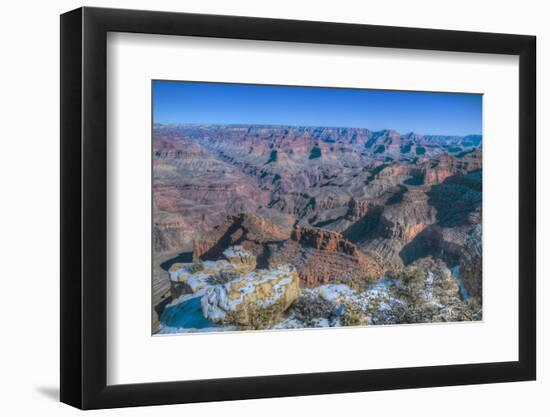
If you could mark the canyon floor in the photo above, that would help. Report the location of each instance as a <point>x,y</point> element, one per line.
<point>277,227</point>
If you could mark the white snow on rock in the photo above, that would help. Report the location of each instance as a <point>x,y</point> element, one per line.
<point>334,293</point>
<point>259,289</point>
<point>236,251</point>
<point>180,270</point>
<point>196,276</point>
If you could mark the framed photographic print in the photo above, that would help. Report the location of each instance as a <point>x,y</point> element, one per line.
<point>258,207</point>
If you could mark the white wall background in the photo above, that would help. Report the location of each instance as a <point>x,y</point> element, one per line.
<point>29,219</point>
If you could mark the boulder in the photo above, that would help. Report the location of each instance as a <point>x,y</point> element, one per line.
<point>255,300</point>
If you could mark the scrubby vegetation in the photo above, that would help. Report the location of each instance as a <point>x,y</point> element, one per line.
<point>315,153</point>
<point>406,148</point>
<point>310,308</point>
<point>272,157</point>
<point>353,315</point>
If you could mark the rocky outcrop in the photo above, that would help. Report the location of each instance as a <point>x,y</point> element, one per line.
<point>398,225</point>
<point>437,172</point>
<point>255,300</point>
<point>471,263</point>
<point>457,198</point>
<point>250,231</point>
<point>323,240</point>
<point>406,220</point>
<point>231,291</point>
<point>357,209</point>
<point>321,256</point>
<point>243,261</point>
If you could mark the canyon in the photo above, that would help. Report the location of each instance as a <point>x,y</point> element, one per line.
<point>340,207</point>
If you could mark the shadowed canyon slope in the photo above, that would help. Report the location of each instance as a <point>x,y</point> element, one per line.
<point>340,205</point>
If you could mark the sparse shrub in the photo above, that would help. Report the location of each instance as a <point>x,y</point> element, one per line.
<point>194,267</point>
<point>353,315</point>
<point>255,317</point>
<point>262,318</point>
<point>360,285</point>
<point>308,308</point>
<point>272,157</point>
<point>222,277</point>
<point>411,284</point>
<point>315,153</point>
<point>412,306</point>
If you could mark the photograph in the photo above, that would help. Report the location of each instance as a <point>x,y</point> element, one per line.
<point>293,207</point>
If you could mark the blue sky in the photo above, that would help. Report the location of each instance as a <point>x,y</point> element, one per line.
<point>420,112</point>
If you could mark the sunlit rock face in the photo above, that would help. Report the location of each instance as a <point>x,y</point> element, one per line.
<point>193,277</point>
<point>243,261</point>
<point>233,291</point>
<point>254,300</point>
<point>322,257</point>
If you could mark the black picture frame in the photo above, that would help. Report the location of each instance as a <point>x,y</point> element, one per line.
<point>84,207</point>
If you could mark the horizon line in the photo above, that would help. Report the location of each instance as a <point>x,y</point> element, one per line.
<point>315,126</point>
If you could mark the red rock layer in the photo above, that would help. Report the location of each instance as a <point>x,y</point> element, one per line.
<point>248,230</point>
<point>322,257</point>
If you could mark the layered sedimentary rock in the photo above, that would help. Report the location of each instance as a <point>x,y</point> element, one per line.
<point>161,295</point>
<point>204,173</point>
<point>397,225</point>
<point>190,278</point>
<point>357,209</point>
<point>437,172</point>
<point>251,231</point>
<point>253,300</point>
<point>232,291</point>
<point>340,205</point>
<point>471,263</point>
<point>193,190</point>
<point>321,256</point>
<point>406,220</point>
<point>242,260</point>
